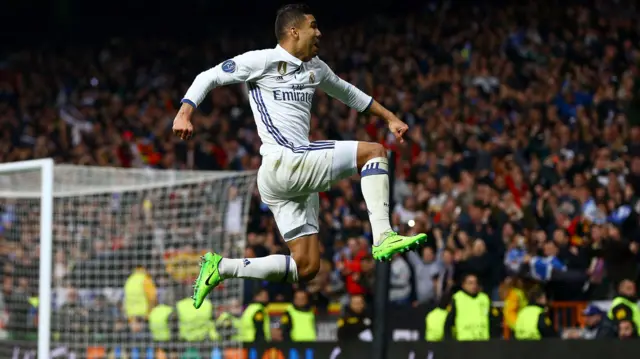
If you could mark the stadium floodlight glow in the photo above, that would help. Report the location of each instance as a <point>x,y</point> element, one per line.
<point>94,226</point>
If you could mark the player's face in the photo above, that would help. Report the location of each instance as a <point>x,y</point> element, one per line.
<point>310,36</point>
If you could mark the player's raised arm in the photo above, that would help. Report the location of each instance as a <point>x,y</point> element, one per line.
<point>353,97</point>
<point>338,88</point>
<point>241,68</point>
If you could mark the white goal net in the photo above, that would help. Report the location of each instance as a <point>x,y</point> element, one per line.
<point>108,224</point>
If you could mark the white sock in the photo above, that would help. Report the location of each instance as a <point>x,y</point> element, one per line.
<point>375,190</point>
<point>274,268</point>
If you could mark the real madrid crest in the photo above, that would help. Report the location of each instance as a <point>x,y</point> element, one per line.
<point>312,77</point>
<point>282,67</point>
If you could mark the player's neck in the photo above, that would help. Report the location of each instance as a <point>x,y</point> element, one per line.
<point>291,48</point>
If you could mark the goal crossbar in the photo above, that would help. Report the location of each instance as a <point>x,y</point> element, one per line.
<point>62,189</point>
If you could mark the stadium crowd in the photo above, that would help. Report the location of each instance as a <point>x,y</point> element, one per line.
<point>522,162</point>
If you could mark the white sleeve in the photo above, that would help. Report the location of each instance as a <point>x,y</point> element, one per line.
<point>242,68</point>
<point>338,88</point>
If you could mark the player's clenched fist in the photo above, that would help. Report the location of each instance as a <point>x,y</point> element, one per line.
<point>182,127</point>
<point>398,128</point>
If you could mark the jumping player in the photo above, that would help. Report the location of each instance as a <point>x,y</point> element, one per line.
<point>281,82</point>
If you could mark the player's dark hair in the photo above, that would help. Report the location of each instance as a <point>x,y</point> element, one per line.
<point>288,16</point>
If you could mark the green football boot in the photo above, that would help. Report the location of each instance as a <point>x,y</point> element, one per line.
<point>393,243</point>
<point>208,278</point>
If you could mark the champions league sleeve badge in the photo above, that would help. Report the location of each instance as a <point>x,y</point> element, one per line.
<point>229,66</point>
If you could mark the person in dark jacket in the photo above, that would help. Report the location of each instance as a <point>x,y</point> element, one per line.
<point>355,324</point>
<point>597,325</point>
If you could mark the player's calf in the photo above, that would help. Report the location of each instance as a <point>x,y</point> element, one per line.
<point>301,266</point>
<point>305,251</point>
<point>307,267</point>
<point>215,269</point>
<point>374,170</point>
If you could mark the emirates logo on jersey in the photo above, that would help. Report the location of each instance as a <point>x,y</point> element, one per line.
<point>282,67</point>
<point>312,77</point>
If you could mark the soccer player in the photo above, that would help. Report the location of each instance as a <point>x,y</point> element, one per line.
<point>281,82</point>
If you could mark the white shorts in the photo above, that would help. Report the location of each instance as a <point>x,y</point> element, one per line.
<point>289,182</point>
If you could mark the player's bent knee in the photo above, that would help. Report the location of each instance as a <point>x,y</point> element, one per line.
<point>307,267</point>
<point>369,150</point>
<point>378,150</point>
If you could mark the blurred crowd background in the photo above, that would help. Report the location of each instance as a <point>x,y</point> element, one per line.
<point>522,162</point>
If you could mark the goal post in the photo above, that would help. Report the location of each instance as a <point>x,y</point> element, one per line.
<point>45,169</point>
<point>95,227</point>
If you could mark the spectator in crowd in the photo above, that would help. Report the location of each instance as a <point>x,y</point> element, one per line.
<point>619,254</point>
<point>102,314</point>
<point>355,265</point>
<point>626,330</point>
<point>515,299</point>
<point>255,320</point>
<point>356,323</point>
<point>426,269</point>
<point>18,302</point>
<point>228,322</point>
<point>435,320</point>
<point>624,305</point>
<point>233,219</point>
<point>597,326</point>
<point>60,267</point>
<point>140,294</point>
<point>533,321</point>
<point>471,316</point>
<point>298,322</point>
<point>477,261</point>
<point>399,281</point>
<point>445,279</point>
<point>64,328</point>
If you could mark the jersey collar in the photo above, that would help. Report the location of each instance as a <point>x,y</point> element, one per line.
<point>290,58</point>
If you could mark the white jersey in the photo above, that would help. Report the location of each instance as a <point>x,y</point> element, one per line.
<point>280,88</point>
